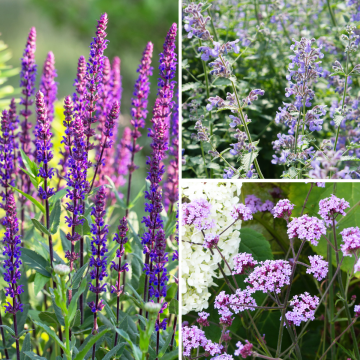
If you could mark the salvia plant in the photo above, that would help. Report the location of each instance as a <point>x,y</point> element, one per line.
<point>270,89</point>
<point>291,290</point>
<point>105,280</point>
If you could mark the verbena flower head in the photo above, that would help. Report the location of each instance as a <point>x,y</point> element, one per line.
<point>319,267</point>
<point>202,319</point>
<point>357,266</point>
<point>48,86</point>
<point>242,212</point>
<point>351,239</point>
<point>197,213</point>
<point>98,259</point>
<point>332,206</point>
<point>304,307</point>
<point>268,205</point>
<point>27,83</point>
<point>253,203</point>
<point>210,240</point>
<point>357,310</point>
<point>270,275</point>
<point>308,228</point>
<point>192,338</point>
<point>223,357</point>
<point>213,348</point>
<point>12,253</point>
<point>243,350</point>
<point>283,209</point>
<point>240,299</point>
<point>242,263</point>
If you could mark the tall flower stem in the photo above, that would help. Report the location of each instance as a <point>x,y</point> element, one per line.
<point>341,286</point>
<point>3,338</point>
<point>16,338</point>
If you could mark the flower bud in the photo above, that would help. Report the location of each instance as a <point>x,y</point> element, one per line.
<point>62,270</point>
<point>152,307</point>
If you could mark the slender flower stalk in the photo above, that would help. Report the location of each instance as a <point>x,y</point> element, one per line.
<point>12,250</point>
<point>154,240</point>
<point>14,124</point>
<point>121,239</point>
<point>44,155</point>
<point>27,83</point>
<point>139,109</point>
<point>98,260</point>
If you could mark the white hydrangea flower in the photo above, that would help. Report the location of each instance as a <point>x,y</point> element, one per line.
<point>198,266</point>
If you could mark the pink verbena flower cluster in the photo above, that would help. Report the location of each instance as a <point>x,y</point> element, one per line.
<point>202,319</point>
<point>223,357</point>
<point>351,238</point>
<point>332,206</point>
<point>197,213</point>
<point>240,299</point>
<point>243,350</point>
<point>242,262</point>
<point>255,204</point>
<point>319,267</point>
<point>210,240</point>
<point>241,212</point>
<point>270,276</point>
<point>308,228</point>
<point>283,209</point>
<point>304,309</point>
<point>357,310</point>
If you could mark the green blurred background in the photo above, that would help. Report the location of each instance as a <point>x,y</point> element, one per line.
<point>66,28</point>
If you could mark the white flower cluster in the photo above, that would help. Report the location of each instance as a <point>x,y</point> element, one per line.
<point>198,266</point>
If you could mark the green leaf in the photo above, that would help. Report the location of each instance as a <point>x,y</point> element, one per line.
<point>85,228</point>
<point>190,86</point>
<point>171,355</point>
<point>35,261</point>
<point>248,159</point>
<point>55,218</point>
<point>40,227</point>
<point>114,190</point>
<point>33,356</point>
<point>49,318</point>
<point>166,344</point>
<point>78,276</point>
<point>349,158</point>
<point>57,196</point>
<point>88,346</point>
<point>66,244</point>
<point>9,329</point>
<point>109,312</point>
<point>52,334</point>
<point>57,310</point>
<point>76,320</point>
<point>32,178</point>
<point>34,201</point>
<point>255,243</point>
<point>39,282</point>
<point>137,197</point>
<point>73,304</point>
<point>26,346</point>
<point>114,351</point>
<point>338,119</point>
<point>135,293</point>
<point>31,166</point>
<point>135,350</point>
<point>174,307</point>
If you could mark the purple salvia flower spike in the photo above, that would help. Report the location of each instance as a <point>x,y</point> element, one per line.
<point>98,260</point>
<point>48,86</point>
<point>14,125</point>
<point>154,237</point>
<point>115,81</point>
<point>44,155</point>
<point>80,84</point>
<point>94,74</point>
<point>27,83</point>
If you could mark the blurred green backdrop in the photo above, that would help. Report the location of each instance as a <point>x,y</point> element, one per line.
<point>66,28</point>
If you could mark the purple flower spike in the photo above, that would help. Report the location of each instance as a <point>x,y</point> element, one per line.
<point>12,250</point>
<point>27,83</point>
<point>48,86</point>
<point>80,84</point>
<point>154,237</point>
<point>94,74</point>
<point>98,260</point>
<point>115,82</point>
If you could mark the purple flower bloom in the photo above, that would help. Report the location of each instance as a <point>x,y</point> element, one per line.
<point>98,260</point>
<point>351,238</point>
<point>357,310</point>
<point>202,319</point>
<point>304,309</point>
<point>197,213</point>
<point>115,80</point>
<point>267,206</point>
<point>319,267</point>
<point>270,275</point>
<point>357,266</point>
<point>79,97</point>
<point>283,209</point>
<point>43,144</point>
<point>210,240</point>
<point>192,338</point>
<point>243,350</point>
<point>243,262</point>
<point>196,24</point>
<point>27,83</point>
<point>240,299</point>
<point>331,206</point>
<point>308,228</point>
<point>48,86</point>
<point>253,95</point>
<point>242,212</point>
<point>253,203</point>
<point>12,249</point>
